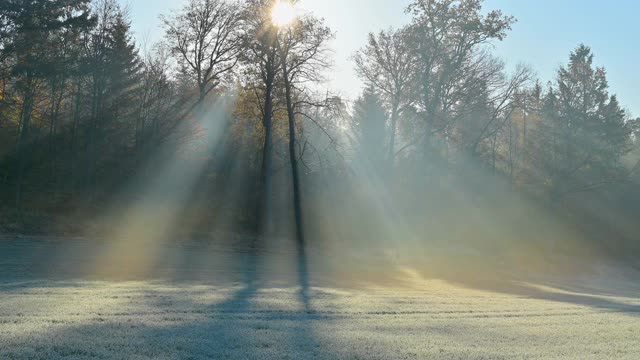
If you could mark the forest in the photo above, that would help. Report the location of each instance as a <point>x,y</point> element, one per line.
<point>227,125</point>
<point>212,192</point>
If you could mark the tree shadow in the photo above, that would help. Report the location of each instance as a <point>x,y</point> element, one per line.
<point>246,324</point>
<point>302,263</point>
<point>546,289</point>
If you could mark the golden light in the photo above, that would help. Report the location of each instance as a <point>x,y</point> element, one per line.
<point>283,13</point>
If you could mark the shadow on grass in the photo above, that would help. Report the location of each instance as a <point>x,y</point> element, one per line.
<point>176,325</point>
<point>546,288</point>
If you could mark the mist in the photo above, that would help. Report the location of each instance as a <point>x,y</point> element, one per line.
<point>212,195</point>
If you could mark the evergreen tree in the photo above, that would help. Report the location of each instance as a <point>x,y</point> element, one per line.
<point>585,132</point>
<point>123,69</point>
<point>28,27</point>
<point>113,74</point>
<point>370,120</point>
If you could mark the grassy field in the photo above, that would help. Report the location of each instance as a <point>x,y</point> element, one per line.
<point>51,312</point>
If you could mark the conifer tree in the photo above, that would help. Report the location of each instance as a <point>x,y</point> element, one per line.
<point>584,131</point>
<point>28,27</point>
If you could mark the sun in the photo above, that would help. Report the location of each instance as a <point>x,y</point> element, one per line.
<point>283,13</point>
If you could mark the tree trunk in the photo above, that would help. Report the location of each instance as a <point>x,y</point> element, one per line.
<point>264,217</point>
<point>392,139</point>
<point>297,196</point>
<point>266,179</point>
<point>25,120</point>
<point>57,97</point>
<point>74,140</point>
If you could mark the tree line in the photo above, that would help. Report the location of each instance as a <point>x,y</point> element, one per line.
<point>84,109</point>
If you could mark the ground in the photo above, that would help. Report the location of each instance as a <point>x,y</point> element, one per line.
<point>49,311</point>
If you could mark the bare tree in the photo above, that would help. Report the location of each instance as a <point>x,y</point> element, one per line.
<point>260,60</point>
<point>161,104</point>
<point>303,54</point>
<point>204,38</point>
<point>502,103</point>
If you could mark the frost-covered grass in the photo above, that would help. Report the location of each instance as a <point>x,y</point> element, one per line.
<point>236,319</point>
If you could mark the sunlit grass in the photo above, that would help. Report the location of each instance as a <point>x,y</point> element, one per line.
<point>429,319</point>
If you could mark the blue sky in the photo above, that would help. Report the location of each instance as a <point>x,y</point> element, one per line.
<point>546,31</point>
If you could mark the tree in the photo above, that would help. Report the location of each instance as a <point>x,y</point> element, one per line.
<point>525,117</point>
<point>66,52</point>
<point>635,152</point>
<point>113,77</point>
<point>123,68</point>
<point>261,65</point>
<point>30,27</point>
<point>302,51</point>
<point>445,37</point>
<point>205,39</point>
<point>161,101</point>
<point>370,121</point>
<point>388,64</point>
<point>500,101</point>
<point>584,131</point>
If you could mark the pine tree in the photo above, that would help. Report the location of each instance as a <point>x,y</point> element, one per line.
<point>370,119</point>
<point>584,132</point>
<point>123,69</point>
<point>28,27</point>
<point>114,71</point>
